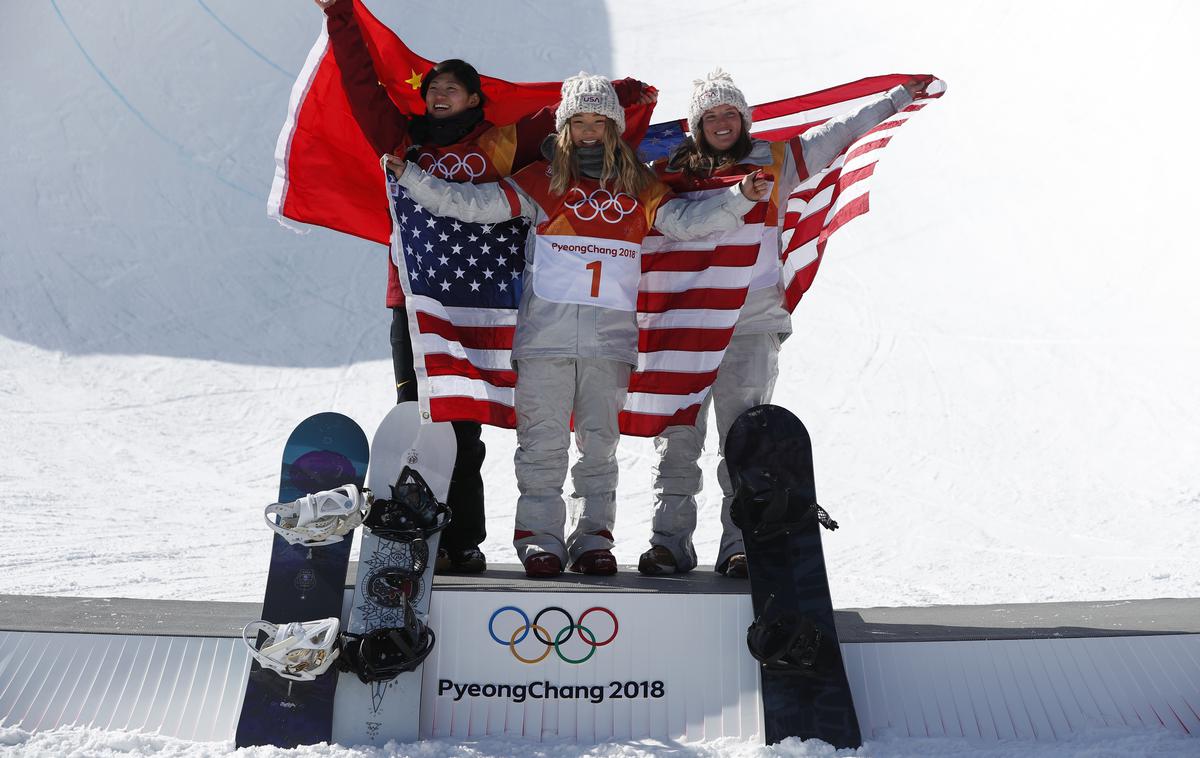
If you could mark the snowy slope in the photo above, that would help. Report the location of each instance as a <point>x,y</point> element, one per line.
<point>87,743</point>
<point>998,364</point>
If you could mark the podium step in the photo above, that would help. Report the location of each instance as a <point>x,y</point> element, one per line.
<point>661,658</point>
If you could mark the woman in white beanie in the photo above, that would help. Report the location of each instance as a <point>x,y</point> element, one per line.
<point>719,151</point>
<point>591,203</point>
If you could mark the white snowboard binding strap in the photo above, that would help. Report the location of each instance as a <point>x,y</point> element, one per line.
<point>321,518</point>
<point>301,650</point>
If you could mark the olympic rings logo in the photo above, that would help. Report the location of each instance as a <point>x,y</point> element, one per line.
<point>602,203</point>
<point>467,167</point>
<point>541,634</point>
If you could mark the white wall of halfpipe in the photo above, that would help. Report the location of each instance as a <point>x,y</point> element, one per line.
<point>934,674</point>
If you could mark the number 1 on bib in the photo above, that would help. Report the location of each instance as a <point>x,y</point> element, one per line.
<point>594,267</point>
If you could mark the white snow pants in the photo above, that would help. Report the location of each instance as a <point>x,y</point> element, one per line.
<point>548,390</point>
<point>746,378</point>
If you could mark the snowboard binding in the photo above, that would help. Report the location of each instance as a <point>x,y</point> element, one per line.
<point>786,642</point>
<point>321,518</point>
<point>412,512</point>
<point>383,654</point>
<point>301,650</point>
<point>764,509</point>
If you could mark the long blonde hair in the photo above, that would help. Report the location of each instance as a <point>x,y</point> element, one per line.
<point>621,164</point>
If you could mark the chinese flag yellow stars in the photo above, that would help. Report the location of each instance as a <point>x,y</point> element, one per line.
<point>414,80</point>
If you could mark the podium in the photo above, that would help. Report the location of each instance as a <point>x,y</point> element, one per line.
<point>985,673</point>
<point>591,659</point>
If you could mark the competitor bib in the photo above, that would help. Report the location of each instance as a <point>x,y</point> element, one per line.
<point>587,271</point>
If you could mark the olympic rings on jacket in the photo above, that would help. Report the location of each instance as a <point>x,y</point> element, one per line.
<point>552,642</point>
<point>611,208</point>
<point>452,166</point>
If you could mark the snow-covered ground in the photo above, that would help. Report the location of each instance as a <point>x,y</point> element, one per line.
<point>998,364</point>
<point>84,743</point>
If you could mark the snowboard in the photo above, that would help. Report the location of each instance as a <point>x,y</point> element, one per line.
<point>304,584</point>
<point>769,456</point>
<point>372,714</point>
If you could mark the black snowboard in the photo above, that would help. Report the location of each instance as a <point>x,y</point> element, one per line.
<point>325,451</point>
<point>804,688</point>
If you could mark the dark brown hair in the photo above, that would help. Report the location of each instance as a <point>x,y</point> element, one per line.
<point>697,158</point>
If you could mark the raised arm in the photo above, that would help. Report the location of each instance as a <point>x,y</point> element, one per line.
<point>384,125</point>
<point>529,131</point>
<point>637,99</point>
<point>821,145</point>
<point>475,203</point>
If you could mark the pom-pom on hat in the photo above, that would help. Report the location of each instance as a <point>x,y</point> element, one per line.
<point>716,89</point>
<point>588,93</point>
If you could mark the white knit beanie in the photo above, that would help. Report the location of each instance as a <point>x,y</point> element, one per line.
<point>716,89</point>
<point>586,93</point>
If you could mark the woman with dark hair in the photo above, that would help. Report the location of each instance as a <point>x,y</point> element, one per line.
<point>719,152</point>
<point>454,141</point>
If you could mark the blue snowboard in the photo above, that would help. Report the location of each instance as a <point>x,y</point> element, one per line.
<point>325,451</point>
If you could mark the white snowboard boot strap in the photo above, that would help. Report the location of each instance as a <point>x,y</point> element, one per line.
<point>321,518</point>
<point>301,650</point>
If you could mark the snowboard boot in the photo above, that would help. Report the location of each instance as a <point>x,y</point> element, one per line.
<point>658,561</point>
<point>735,567</point>
<point>596,563</point>
<point>543,566</point>
<point>468,560</point>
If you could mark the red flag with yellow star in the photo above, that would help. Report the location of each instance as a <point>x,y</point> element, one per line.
<point>327,171</point>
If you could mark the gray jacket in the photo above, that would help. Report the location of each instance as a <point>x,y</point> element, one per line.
<point>555,330</point>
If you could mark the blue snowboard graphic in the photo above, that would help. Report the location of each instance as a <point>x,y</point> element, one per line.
<point>325,451</point>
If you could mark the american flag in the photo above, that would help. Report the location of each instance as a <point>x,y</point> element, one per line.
<point>691,292</point>
<point>689,298</point>
<point>462,285</point>
<point>463,281</point>
<point>827,200</point>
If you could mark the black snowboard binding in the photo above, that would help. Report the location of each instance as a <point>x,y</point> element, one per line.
<point>384,654</point>
<point>411,514</point>
<point>764,509</point>
<point>785,642</point>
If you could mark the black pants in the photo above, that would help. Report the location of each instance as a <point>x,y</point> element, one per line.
<point>467,526</point>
